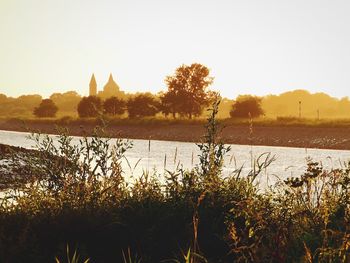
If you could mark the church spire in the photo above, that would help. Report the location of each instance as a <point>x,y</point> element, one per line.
<point>110,78</point>
<point>93,86</point>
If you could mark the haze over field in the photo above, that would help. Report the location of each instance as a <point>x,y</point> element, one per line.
<point>174,130</point>
<point>252,47</point>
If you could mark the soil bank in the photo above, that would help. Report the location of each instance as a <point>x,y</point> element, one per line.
<point>288,136</point>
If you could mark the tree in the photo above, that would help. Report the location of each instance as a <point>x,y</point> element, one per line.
<point>22,106</point>
<point>246,106</point>
<point>142,105</point>
<point>3,98</point>
<point>168,104</point>
<point>114,106</point>
<point>89,107</point>
<point>47,108</point>
<point>29,101</point>
<point>66,102</point>
<point>187,90</point>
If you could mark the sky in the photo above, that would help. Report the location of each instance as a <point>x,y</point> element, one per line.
<point>251,46</point>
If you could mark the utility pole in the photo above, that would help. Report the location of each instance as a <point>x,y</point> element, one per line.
<point>318,114</point>
<point>299,109</point>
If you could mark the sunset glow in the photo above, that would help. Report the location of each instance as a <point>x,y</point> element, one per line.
<point>252,47</point>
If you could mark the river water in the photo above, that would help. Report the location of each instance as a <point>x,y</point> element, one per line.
<point>167,155</point>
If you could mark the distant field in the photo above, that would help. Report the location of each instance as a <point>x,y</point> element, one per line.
<point>279,121</point>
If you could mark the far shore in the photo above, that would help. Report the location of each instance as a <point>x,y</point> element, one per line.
<point>337,137</point>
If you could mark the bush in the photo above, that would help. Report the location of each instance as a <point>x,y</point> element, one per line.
<point>89,107</point>
<point>46,109</point>
<point>143,105</point>
<point>246,106</point>
<point>114,106</point>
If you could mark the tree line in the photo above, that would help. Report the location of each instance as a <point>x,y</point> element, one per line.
<point>187,96</point>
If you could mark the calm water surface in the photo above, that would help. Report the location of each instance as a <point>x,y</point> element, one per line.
<point>289,161</point>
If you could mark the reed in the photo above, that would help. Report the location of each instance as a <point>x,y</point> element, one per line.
<point>75,258</point>
<point>175,156</point>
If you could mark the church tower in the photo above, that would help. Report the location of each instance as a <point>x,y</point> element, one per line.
<point>111,88</point>
<point>93,86</point>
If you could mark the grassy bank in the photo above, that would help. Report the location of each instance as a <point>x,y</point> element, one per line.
<point>288,132</point>
<point>279,121</point>
<point>77,195</point>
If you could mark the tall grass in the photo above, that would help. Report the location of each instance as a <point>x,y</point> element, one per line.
<point>75,258</point>
<point>77,194</point>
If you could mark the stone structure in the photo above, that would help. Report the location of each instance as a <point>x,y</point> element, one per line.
<point>110,89</point>
<point>93,86</point>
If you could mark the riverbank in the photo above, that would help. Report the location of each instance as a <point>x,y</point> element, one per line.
<point>100,216</point>
<point>222,219</point>
<point>289,135</point>
<point>12,174</point>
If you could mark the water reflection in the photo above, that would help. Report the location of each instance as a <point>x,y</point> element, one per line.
<point>166,155</point>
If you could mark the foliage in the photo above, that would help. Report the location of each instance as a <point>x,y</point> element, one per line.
<point>317,106</point>
<point>66,102</point>
<point>89,107</point>
<point>78,194</point>
<point>93,164</point>
<point>313,105</point>
<point>187,90</point>
<point>47,108</point>
<point>22,106</point>
<point>246,106</point>
<point>128,258</point>
<point>322,198</point>
<point>75,258</point>
<point>142,105</point>
<point>212,151</point>
<point>170,103</point>
<point>114,106</point>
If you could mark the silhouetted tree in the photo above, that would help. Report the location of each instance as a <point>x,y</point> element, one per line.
<point>114,106</point>
<point>89,106</point>
<point>3,98</point>
<point>187,90</point>
<point>22,106</point>
<point>46,109</point>
<point>29,101</point>
<point>142,105</point>
<point>66,102</point>
<point>168,104</point>
<point>287,104</point>
<point>245,106</point>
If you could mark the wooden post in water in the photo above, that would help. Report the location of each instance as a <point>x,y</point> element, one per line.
<point>192,159</point>
<point>149,153</point>
<point>164,162</point>
<point>175,156</point>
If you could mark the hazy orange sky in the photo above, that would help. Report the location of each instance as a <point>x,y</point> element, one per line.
<point>251,46</point>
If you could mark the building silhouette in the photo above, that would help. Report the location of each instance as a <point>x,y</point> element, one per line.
<point>93,86</point>
<point>110,89</point>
